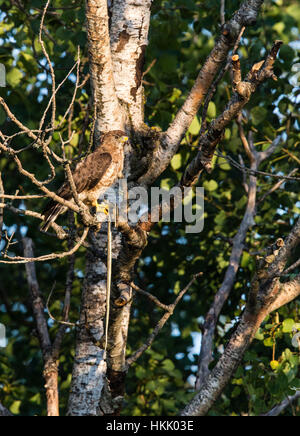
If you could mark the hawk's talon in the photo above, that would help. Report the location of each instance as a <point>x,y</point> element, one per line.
<point>101,207</point>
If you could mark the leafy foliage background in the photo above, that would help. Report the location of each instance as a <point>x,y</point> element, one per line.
<point>182,35</point>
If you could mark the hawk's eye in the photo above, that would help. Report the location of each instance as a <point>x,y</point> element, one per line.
<point>124,139</point>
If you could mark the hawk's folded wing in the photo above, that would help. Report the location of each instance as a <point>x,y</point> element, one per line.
<point>86,176</point>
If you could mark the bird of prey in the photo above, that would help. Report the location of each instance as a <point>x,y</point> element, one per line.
<point>92,177</point>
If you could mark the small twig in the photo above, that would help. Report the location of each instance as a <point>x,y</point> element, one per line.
<point>1,208</point>
<point>49,65</point>
<point>245,184</point>
<point>161,323</point>
<point>149,68</point>
<point>151,297</point>
<point>20,197</point>
<point>291,268</point>
<point>70,176</point>
<point>256,172</point>
<point>222,12</point>
<point>248,145</point>
<point>65,323</point>
<point>75,88</point>
<point>60,233</point>
<point>52,256</point>
<point>276,186</point>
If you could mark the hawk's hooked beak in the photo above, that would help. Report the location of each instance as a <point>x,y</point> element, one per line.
<point>124,139</point>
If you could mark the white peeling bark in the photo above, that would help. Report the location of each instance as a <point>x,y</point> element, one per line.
<point>109,113</point>
<point>89,369</point>
<point>129,39</point>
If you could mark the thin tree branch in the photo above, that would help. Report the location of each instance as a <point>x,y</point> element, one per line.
<point>1,208</point>
<point>160,324</point>
<point>4,411</point>
<point>60,233</point>
<point>283,405</point>
<point>50,365</point>
<point>47,257</point>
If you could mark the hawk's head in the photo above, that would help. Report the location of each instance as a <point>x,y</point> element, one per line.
<point>115,136</point>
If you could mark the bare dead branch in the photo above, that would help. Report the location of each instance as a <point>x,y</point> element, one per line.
<point>36,182</point>
<point>209,141</point>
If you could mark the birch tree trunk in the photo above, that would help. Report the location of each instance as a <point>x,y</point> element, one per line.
<point>116,66</point>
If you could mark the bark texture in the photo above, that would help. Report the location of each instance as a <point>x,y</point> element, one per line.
<point>129,39</point>
<point>89,369</point>
<point>49,357</point>
<point>109,113</point>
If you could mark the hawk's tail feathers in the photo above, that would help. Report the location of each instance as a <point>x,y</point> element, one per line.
<point>50,216</point>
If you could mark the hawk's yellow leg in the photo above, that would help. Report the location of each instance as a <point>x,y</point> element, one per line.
<point>101,207</point>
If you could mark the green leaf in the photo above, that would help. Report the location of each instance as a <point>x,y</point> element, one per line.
<point>211,110</point>
<point>274,364</point>
<point>176,162</point>
<point>269,342</point>
<point>194,128</point>
<point>258,115</point>
<point>210,186</point>
<point>140,372</point>
<point>15,407</point>
<point>246,259</point>
<point>223,164</point>
<point>168,365</point>
<point>259,335</point>
<point>151,385</point>
<point>14,77</point>
<point>221,218</point>
<point>287,325</point>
